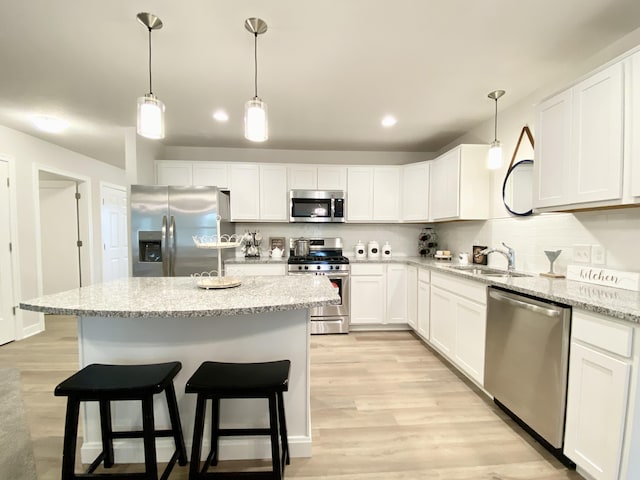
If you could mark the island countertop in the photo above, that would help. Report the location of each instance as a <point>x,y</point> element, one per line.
<point>180,297</point>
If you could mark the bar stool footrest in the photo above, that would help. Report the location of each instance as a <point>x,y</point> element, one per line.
<point>243,432</point>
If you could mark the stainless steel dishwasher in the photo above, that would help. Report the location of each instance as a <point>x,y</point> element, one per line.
<point>526,361</point>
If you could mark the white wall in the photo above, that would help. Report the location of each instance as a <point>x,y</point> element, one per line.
<point>293,156</point>
<point>26,154</point>
<point>616,230</point>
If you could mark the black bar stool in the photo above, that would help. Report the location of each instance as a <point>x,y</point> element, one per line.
<point>106,383</point>
<point>215,381</point>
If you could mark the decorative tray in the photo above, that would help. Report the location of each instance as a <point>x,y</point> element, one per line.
<point>211,280</point>
<point>442,257</point>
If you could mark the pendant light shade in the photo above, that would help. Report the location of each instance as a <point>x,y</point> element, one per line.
<point>150,121</point>
<point>494,160</point>
<point>256,126</point>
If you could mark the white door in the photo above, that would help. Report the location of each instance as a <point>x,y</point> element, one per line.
<point>442,322</point>
<point>367,299</point>
<point>396,293</point>
<point>7,319</point>
<point>245,192</point>
<point>274,196</point>
<point>444,186</point>
<point>115,251</point>
<point>360,194</point>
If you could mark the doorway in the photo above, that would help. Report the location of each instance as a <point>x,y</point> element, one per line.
<point>8,325</point>
<point>64,226</point>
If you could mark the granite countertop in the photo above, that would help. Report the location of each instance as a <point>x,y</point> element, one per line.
<point>180,297</point>
<point>613,302</point>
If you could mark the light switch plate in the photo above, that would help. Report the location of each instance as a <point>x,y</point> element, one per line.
<point>597,255</point>
<point>582,253</point>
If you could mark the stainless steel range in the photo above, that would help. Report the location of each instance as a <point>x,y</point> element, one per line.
<point>325,258</point>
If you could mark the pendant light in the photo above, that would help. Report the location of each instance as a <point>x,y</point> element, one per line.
<point>494,161</point>
<point>256,126</point>
<point>150,108</point>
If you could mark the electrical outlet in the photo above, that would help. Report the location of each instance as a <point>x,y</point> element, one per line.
<point>597,255</point>
<point>582,253</point>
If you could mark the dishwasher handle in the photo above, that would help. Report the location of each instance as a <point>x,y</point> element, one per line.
<point>505,298</point>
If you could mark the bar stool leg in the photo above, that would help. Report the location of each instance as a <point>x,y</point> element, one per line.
<point>283,431</point>
<point>275,441</point>
<point>106,431</point>
<point>215,430</point>
<point>198,431</point>
<point>70,439</point>
<point>148,428</point>
<point>174,415</point>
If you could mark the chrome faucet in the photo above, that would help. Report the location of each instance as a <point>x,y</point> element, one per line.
<point>510,255</point>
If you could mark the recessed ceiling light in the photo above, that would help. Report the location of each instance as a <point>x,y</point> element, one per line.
<point>389,121</point>
<point>49,124</point>
<point>221,116</point>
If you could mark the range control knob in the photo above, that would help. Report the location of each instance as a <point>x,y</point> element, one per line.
<point>318,267</point>
<point>306,267</point>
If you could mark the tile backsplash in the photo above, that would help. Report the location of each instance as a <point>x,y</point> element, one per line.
<point>617,231</point>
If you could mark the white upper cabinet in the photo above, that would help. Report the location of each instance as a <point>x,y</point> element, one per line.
<point>459,184</point>
<point>633,121</point>
<point>258,192</point>
<point>415,192</point>
<point>386,194</point>
<point>273,193</point>
<point>314,177</point>
<point>373,194</point>
<point>359,194</point>
<point>579,145</point>
<point>598,120</point>
<point>331,177</point>
<point>215,174</point>
<point>553,151</point>
<point>174,172</point>
<point>303,177</point>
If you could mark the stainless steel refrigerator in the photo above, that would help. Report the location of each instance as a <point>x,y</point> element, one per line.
<point>163,222</point>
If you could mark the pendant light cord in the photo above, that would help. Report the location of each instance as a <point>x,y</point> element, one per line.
<point>150,89</point>
<point>255,63</point>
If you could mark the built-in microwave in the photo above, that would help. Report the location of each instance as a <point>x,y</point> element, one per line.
<point>316,206</point>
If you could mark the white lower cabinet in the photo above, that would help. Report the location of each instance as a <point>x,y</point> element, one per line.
<point>270,269</point>
<point>597,394</point>
<point>458,321</point>
<point>379,294</point>
<point>424,302</point>
<point>412,297</point>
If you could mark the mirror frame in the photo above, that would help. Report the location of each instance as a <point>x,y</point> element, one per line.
<point>504,187</point>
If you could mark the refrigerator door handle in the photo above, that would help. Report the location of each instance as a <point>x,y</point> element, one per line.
<point>164,249</point>
<point>172,243</point>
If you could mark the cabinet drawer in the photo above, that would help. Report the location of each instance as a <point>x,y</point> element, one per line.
<point>474,291</point>
<point>367,269</point>
<point>602,333</point>
<point>424,275</point>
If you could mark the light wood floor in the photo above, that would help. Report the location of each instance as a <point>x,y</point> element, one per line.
<point>383,407</point>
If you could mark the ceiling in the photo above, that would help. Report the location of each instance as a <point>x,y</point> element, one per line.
<point>328,70</point>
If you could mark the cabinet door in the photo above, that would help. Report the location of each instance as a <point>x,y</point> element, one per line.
<point>444,186</point>
<point>215,174</point>
<point>359,194</point>
<point>596,411</point>
<point>442,328</point>
<point>273,193</point>
<point>332,178</point>
<point>415,192</point>
<point>470,334</point>
<point>386,194</point>
<point>302,177</point>
<point>634,122</point>
<point>396,293</point>
<point>174,173</point>
<point>412,297</point>
<point>598,114</point>
<point>424,294</point>
<point>367,299</point>
<point>245,192</point>
<point>551,169</point>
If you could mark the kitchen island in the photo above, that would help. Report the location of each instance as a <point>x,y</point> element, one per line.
<point>151,320</point>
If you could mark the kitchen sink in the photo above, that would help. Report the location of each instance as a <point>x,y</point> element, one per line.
<point>487,272</point>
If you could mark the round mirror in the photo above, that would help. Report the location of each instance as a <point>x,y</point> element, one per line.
<point>517,189</point>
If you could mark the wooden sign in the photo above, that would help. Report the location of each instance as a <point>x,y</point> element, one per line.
<point>604,276</point>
